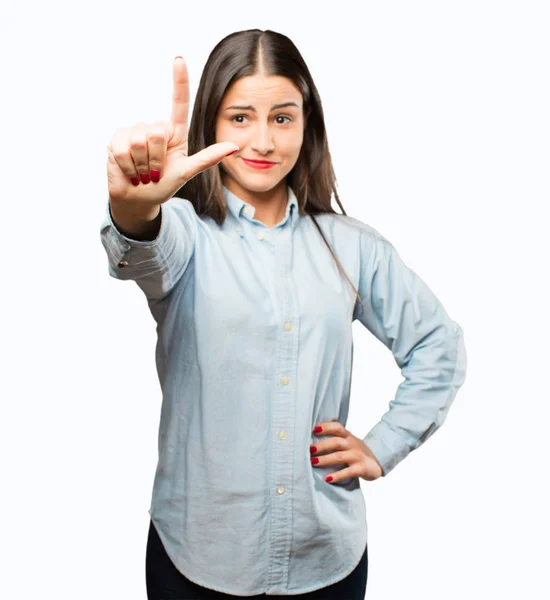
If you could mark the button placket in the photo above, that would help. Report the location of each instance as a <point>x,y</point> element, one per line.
<point>284,405</point>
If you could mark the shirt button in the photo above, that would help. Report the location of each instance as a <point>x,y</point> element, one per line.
<point>288,326</point>
<point>122,263</point>
<point>260,236</point>
<point>280,490</point>
<point>245,210</point>
<point>285,380</point>
<point>282,435</point>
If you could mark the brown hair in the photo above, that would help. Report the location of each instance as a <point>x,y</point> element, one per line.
<point>312,179</point>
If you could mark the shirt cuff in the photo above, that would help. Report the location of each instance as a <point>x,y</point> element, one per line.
<point>388,447</point>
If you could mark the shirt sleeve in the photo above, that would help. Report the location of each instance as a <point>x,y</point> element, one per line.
<point>158,264</point>
<point>427,345</point>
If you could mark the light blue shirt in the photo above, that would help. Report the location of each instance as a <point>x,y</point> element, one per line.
<point>254,349</point>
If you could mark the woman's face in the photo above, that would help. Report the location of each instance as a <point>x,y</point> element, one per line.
<point>261,131</point>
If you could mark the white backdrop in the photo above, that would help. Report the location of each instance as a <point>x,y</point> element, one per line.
<point>438,122</point>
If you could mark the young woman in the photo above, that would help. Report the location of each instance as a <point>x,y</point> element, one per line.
<point>254,282</point>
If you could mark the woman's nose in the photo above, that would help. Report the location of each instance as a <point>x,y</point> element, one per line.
<point>263,140</point>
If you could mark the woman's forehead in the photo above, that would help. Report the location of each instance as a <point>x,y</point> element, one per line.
<point>263,88</point>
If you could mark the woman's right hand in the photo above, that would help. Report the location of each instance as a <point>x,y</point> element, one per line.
<point>161,146</point>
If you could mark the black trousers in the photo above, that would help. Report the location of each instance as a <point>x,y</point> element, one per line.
<point>165,582</point>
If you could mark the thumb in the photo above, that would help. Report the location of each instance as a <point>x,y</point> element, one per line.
<point>207,158</point>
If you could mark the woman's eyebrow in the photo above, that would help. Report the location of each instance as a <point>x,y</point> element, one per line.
<point>249,107</point>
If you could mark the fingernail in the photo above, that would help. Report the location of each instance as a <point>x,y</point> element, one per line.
<point>313,449</point>
<point>144,177</point>
<point>155,175</point>
<point>314,460</point>
<point>233,152</point>
<point>328,479</point>
<point>135,180</point>
<point>318,429</point>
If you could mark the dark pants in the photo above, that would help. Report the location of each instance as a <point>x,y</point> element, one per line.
<point>165,582</point>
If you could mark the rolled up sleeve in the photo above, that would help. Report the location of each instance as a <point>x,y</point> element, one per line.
<point>427,345</point>
<point>158,264</point>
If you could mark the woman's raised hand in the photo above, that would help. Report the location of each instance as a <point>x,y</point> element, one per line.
<point>162,147</point>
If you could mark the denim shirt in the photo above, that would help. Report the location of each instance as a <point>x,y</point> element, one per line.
<point>255,348</point>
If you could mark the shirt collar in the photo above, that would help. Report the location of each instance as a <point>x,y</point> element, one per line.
<point>241,209</point>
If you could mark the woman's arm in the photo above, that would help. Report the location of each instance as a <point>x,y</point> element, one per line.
<point>427,345</point>
<point>158,253</point>
<point>141,223</point>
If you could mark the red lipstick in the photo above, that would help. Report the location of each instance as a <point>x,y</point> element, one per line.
<point>259,164</point>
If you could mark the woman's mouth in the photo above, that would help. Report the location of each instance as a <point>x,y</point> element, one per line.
<point>259,164</point>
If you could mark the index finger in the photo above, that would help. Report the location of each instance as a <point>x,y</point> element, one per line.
<point>180,98</point>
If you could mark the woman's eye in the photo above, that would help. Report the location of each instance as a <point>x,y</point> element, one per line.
<point>277,117</point>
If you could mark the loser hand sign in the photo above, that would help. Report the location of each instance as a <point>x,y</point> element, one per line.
<point>161,146</point>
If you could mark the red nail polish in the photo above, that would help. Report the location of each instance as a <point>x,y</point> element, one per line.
<point>144,177</point>
<point>135,180</point>
<point>155,175</point>
<point>313,449</point>
<point>328,479</point>
<point>318,429</point>
<point>232,152</point>
<point>314,460</point>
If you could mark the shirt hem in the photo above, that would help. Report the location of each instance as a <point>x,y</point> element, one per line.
<point>236,592</point>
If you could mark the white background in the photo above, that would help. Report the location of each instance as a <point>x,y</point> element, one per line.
<point>438,121</point>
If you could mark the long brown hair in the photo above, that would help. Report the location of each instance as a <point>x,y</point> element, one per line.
<point>312,179</point>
